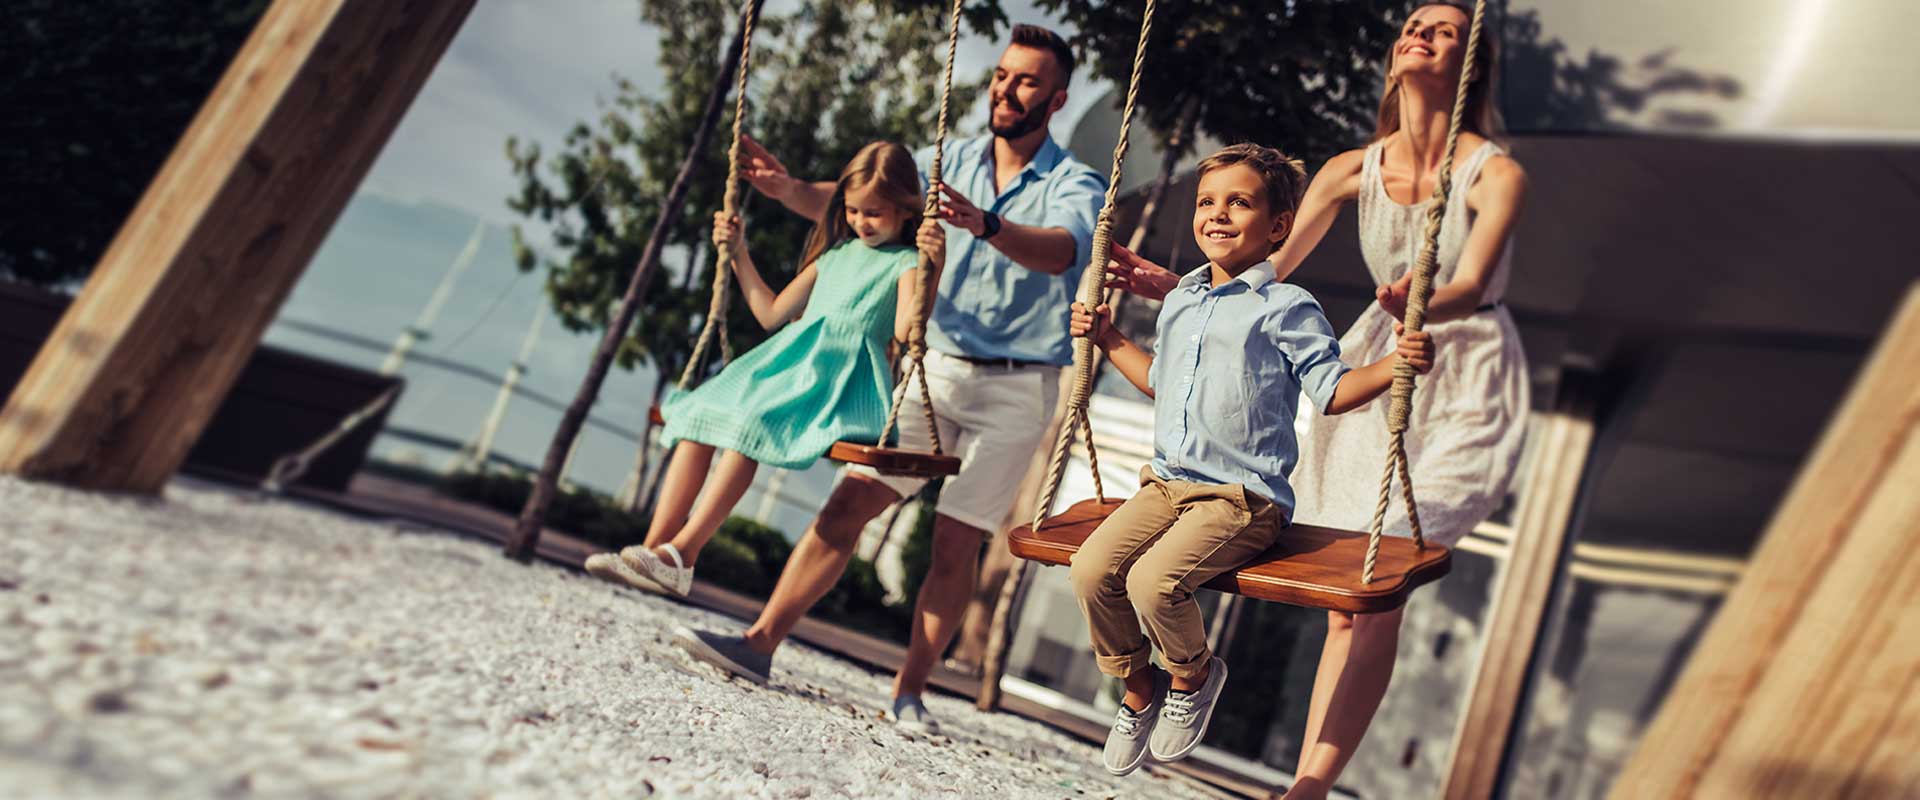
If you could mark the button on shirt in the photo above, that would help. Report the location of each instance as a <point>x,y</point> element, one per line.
<point>1233,360</point>
<point>988,306</point>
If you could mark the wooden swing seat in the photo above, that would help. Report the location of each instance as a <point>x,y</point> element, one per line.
<point>1309,566</point>
<point>885,460</point>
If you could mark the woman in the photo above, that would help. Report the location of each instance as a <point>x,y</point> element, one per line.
<point>1469,413</point>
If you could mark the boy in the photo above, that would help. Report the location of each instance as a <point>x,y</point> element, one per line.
<point>1239,349</point>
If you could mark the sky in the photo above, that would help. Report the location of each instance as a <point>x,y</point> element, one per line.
<point>531,68</point>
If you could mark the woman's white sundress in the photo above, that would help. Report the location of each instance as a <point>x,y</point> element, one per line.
<point>1469,413</point>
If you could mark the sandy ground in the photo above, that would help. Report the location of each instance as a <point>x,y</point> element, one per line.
<point>220,644</point>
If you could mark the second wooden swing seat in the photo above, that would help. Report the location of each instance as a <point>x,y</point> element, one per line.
<point>885,460</point>
<point>1307,565</point>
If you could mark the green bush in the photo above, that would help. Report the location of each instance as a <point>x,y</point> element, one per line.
<point>588,515</point>
<point>916,554</point>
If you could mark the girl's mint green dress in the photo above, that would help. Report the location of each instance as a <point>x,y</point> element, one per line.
<point>821,379</point>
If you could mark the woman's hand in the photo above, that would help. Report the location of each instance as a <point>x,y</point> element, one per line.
<point>1415,348</point>
<point>726,232</point>
<point>932,241</point>
<point>1133,274</point>
<point>1393,297</point>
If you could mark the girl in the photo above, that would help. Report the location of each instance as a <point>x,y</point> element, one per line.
<point>819,380</point>
<point>1465,442</point>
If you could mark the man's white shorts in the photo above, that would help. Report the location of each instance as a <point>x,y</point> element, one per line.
<point>993,418</point>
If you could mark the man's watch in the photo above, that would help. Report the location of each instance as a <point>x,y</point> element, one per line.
<point>990,225</point>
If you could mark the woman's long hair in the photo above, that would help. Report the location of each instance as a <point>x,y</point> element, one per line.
<point>888,168</point>
<point>1483,96</point>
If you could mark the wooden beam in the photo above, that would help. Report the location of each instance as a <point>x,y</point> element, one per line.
<point>149,349</point>
<point>1524,590</point>
<point>1818,641</point>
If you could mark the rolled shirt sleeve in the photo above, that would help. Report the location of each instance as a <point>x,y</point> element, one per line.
<point>1306,338</point>
<point>1074,207</point>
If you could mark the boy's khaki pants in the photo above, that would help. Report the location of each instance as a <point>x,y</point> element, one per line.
<point>1143,564</point>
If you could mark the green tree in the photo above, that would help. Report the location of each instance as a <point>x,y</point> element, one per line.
<point>95,96</point>
<point>827,78</point>
<point>1302,75</point>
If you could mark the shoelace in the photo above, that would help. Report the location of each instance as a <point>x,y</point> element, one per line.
<point>1127,722</point>
<point>1178,707</point>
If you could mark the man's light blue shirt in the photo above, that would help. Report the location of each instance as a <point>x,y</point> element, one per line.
<point>1233,361</point>
<point>988,306</point>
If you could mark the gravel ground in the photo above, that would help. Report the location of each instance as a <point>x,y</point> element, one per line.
<point>217,644</point>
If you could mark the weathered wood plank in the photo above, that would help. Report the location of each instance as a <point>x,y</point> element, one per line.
<point>1841,675</point>
<point>179,302</point>
<point>1810,527</point>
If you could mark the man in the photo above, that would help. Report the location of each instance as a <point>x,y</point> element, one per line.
<point>1021,214</point>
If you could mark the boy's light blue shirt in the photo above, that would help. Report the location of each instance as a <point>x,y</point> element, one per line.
<point>988,306</point>
<point>1233,361</point>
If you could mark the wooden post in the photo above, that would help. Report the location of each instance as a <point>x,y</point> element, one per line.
<point>177,305</point>
<point>1805,683</point>
<point>1525,586</point>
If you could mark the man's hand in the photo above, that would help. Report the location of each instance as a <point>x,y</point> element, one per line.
<point>765,172</point>
<point>1415,348</point>
<point>960,212</point>
<point>1096,324</point>
<point>1129,272</point>
<point>932,241</point>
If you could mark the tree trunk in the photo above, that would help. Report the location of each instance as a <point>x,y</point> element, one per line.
<point>526,533</point>
<point>1002,577</point>
<point>633,494</point>
<point>1169,158</point>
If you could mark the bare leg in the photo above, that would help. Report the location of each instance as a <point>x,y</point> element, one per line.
<point>942,602</point>
<point>686,471</point>
<point>1373,643</point>
<point>1194,683</point>
<point>717,500</point>
<point>1333,659</point>
<point>1139,687</point>
<point>970,651</point>
<point>817,563</point>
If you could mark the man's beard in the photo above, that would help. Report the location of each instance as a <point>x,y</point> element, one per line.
<point>1030,121</point>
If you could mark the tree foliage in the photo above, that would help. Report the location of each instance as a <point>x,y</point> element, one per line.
<point>1300,75</point>
<point>96,94</point>
<point>826,79</point>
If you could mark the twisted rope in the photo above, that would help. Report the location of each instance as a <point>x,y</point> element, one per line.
<point>916,356</point>
<point>1416,318</point>
<point>718,301</point>
<point>1092,287</point>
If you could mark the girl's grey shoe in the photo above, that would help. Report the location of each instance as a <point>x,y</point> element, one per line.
<point>729,653</point>
<point>1184,716</point>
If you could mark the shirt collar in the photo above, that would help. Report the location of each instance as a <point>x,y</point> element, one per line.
<point>1044,159</point>
<point>1254,277</point>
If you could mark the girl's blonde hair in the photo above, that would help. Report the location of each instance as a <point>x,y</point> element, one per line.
<point>889,169</point>
<point>1483,94</point>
